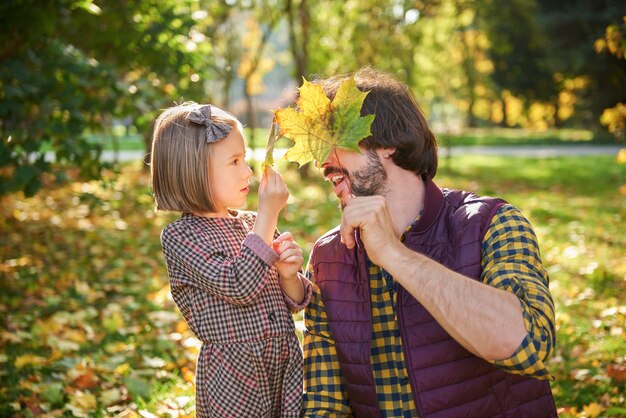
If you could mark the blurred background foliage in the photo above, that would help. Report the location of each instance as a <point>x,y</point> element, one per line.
<point>74,68</point>
<point>88,324</point>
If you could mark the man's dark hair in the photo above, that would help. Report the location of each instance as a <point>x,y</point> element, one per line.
<point>399,121</point>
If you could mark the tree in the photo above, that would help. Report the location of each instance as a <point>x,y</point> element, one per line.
<point>614,43</point>
<point>254,64</point>
<point>299,21</point>
<point>517,50</point>
<point>572,29</point>
<point>71,66</point>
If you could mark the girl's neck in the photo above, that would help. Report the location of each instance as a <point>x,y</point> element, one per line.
<point>229,213</point>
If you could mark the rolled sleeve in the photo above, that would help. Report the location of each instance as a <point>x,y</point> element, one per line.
<point>511,262</point>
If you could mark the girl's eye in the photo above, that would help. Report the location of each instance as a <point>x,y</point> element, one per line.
<point>235,162</point>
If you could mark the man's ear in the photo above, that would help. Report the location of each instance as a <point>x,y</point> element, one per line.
<point>386,153</point>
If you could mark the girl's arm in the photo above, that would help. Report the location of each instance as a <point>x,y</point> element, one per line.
<point>238,280</point>
<point>273,195</point>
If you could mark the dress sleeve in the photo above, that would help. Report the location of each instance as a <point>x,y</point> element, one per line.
<point>325,394</point>
<point>511,262</point>
<point>308,291</point>
<point>238,280</point>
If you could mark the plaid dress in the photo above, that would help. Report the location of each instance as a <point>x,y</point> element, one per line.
<point>223,282</point>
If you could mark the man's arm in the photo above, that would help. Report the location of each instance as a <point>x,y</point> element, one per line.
<point>511,261</point>
<point>325,394</point>
<point>487,321</point>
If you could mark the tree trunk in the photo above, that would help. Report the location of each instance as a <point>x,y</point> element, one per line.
<point>504,112</point>
<point>558,123</point>
<point>299,45</point>
<point>468,65</point>
<point>299,48</point>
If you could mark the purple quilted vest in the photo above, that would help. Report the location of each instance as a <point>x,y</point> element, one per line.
<point>446,379</point>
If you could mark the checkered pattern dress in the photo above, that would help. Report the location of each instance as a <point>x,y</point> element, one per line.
<point>222,280</point>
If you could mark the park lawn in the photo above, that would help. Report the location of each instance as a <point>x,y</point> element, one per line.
<point>494,136</point>
<point>119,139</point>
<point>89,328</point>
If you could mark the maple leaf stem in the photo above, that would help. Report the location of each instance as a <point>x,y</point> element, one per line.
<point>269,149</point>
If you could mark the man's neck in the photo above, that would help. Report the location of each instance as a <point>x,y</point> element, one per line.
<point>405,198</point>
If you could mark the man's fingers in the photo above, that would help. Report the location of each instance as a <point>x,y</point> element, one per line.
<point>361,213</point>
<point>346,230</point>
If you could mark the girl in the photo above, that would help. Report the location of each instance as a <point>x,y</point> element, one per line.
<point>234,290</point>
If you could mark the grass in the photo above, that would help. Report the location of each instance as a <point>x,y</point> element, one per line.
<point>515,136</point>
<point>90,328</point>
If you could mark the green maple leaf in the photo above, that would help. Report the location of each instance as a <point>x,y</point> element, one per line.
<point>319,125</point>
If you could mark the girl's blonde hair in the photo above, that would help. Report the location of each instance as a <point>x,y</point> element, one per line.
<point>179,166</point>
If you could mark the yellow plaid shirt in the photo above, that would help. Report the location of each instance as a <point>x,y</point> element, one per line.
<point>510,261</point>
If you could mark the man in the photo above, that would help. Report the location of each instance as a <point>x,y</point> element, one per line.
<point>426,302</point>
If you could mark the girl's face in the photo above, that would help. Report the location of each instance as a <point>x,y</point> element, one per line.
<point>229,173</point>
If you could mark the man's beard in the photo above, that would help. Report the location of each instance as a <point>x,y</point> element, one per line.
<point>370,180</point>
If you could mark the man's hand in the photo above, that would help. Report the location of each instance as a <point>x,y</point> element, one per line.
<point>371,215</point>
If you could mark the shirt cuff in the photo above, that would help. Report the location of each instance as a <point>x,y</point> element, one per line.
<point>260,248</point>
<point>525,361</point>
<point>308,291</point>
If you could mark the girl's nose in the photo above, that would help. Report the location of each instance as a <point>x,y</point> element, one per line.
<point>248,173</point>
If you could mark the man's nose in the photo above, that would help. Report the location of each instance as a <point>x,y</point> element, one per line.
<point>327,162</point>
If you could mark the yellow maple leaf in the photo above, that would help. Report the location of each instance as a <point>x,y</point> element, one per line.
<point>593,409</point>
<point>82,404</point>
<point>318,125</point>
<point>29,360</point>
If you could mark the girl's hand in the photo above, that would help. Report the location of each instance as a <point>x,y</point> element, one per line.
<point>290,257</point>
<point>273,193</point>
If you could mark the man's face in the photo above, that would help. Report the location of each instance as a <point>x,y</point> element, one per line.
<point>355,174</point>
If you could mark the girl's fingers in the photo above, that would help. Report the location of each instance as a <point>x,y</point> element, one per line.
<point>285,236</point>
<point>278,243</point>
<point>291,252</point>
<point>264,179</point>
<point>294,260</point>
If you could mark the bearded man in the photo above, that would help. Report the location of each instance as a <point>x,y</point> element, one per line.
<point>427,302</point>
